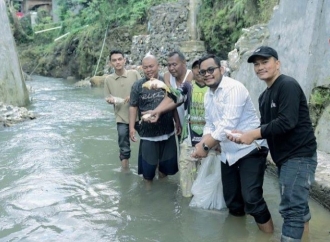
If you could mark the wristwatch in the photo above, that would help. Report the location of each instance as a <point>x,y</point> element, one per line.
<point>205,147</point>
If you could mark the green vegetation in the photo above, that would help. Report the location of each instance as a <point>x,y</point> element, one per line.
<point>320,96</point>
<point>221,21</point>
<point>86,21</point>
<point>105,12</point>
<point>318,101</point>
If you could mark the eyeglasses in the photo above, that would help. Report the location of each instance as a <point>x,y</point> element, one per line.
<point>209,70</point>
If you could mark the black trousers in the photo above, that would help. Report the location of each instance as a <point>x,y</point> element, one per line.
<point>242,185</point>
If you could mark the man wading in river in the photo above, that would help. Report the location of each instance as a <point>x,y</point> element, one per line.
<point>286,125</point>
<point>228,106</point>
<point>157,140</point>
<point>117,88</point>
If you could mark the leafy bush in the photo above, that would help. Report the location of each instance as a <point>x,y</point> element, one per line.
<point>221,21</point>
<point>77,13</point>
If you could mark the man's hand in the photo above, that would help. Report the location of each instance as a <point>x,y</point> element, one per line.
<point>132,135</point>
<point>217,148</point>
<point>110,100</point>
<point>154,116</point>
<point>178,128</point>
<point>126,99</point>
<point>244,137</point>
<point>199,152</point>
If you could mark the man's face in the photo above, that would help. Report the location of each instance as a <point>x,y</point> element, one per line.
<point>197,77</point>
<point>150,67</point>
<point>212,73</point>
<point>117,61</point>
<point>175,66</point>
<point>267,69</point>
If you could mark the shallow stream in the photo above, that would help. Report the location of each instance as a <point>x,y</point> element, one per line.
<point>60,180</point>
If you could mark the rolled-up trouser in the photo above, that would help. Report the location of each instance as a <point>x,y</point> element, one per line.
<point>295,178</point>
<point>123,141</point>
<point>242,186</point>
<point>187,168</point>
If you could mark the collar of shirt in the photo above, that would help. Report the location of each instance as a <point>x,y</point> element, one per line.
<point>223,83</point>
<point>124,75</point>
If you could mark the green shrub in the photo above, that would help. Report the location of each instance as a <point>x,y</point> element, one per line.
<point>221,21</point>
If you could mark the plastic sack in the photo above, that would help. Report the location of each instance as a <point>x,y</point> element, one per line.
<point>207,188</point>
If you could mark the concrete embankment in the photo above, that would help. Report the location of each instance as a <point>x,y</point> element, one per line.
<point>320,190</point>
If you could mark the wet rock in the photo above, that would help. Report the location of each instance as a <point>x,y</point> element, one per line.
<point>83,83</point>
<point>10,115</point>
<point>71,78</point>
<point>97,81</point>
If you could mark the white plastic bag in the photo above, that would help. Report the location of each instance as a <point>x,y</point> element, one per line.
<point>207,188</point>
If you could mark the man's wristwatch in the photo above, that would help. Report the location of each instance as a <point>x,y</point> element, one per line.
<point>205,147</point>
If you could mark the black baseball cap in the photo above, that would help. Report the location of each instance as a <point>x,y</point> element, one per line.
<point>264,51</point>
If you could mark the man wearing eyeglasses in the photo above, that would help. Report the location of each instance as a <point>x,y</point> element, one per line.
<point>228,106</point>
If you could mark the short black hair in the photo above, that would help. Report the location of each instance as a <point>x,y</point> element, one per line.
<point>195,64</point>
<point>116,52</point>
<point>179,53</point>
<point>210,56</point>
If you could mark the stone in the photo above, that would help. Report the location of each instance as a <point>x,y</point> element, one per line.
<point>97,81</point>
<point>70,78</point>
<point>10,115</point>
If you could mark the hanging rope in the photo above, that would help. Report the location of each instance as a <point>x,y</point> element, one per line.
<point>98,62</point>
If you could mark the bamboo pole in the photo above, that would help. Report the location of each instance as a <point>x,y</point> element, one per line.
<point>69,33</point>
<point>98,62</point>
<point>62,36</point>
<point>45,30</point>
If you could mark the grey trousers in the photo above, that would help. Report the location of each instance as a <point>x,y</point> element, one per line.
<point>123,141</point>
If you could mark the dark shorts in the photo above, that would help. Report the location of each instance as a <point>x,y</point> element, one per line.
<point>158,153</point>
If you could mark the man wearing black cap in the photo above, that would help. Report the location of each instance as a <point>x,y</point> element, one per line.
<point>286,125</point>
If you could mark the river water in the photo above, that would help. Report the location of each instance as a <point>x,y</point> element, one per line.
<point>60,180</point>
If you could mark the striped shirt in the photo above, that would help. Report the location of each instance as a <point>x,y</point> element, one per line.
<point>230,107</point>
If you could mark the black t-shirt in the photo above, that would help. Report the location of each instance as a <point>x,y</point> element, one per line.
<point>285,121</point>
<point>145,99</point>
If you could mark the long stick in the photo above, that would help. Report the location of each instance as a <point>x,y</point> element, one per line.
<point>98,62</point>
<point>40,31</point>
<point>61,36</point>
<point>69,33</point>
